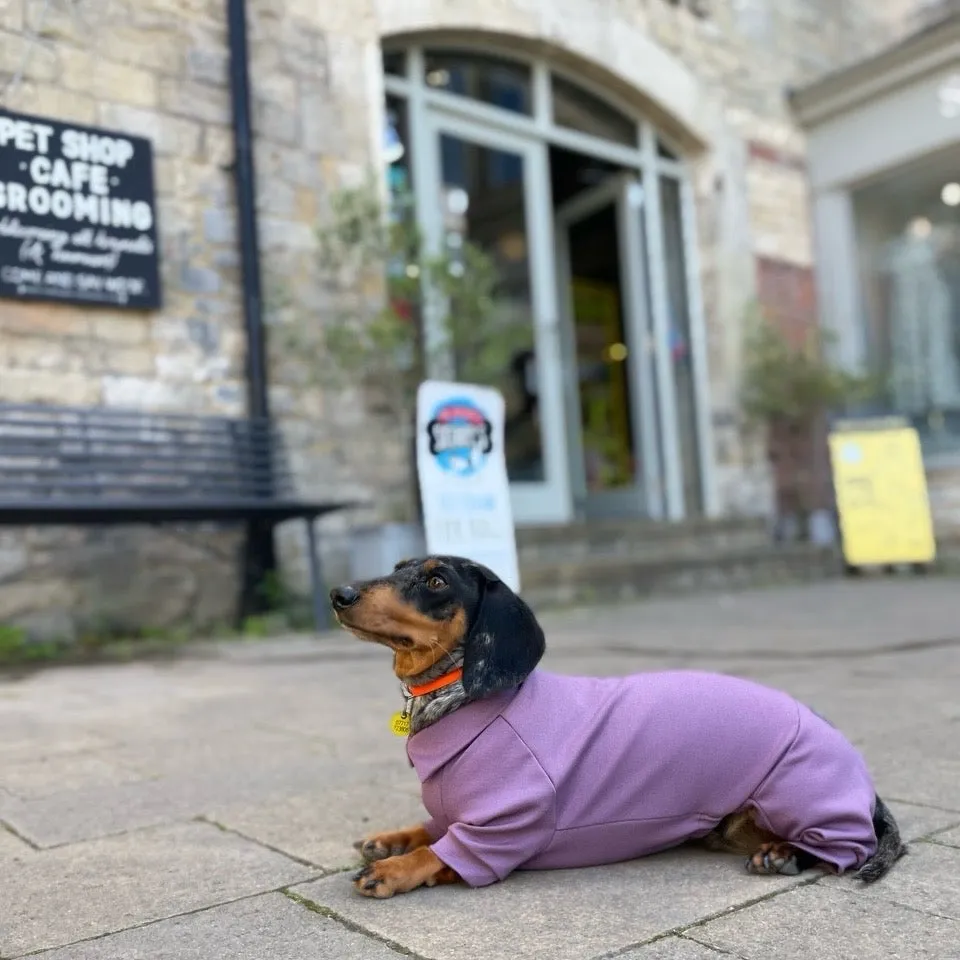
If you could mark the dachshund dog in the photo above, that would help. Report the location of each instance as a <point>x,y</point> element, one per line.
<point>521,768</point>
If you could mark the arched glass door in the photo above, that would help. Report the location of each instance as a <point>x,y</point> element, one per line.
<point>492,189</point>
<point>509,153</point>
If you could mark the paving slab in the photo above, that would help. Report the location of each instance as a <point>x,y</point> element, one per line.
<point>24,739</point>
<point>75,815</point>
<point>794,622</point>
<point>42,776</point>
<point>271,926</point>
<point>88,889</point>
<point>192,703</point>
<point>561,914</point>
<point>950,837</point>
<point>321,826</point>
<point>13,849</point>
<point>916,821</point>
<point>673,948</point>
<point>829,924</point>
<point>179,751</point>
<point>918,763</point>
<point>926,880</point>
<point>75,709</point>
<point>286,744</point>
<point>345,705</point>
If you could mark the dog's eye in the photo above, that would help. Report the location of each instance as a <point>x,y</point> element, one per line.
<point>436,583</point>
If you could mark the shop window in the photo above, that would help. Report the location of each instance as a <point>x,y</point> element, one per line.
<point>493,80</point>
<point>396,148</point>
<point>665,152</point>
<point>908,237</point>
<point>395,63</point>
<point>577,109</point>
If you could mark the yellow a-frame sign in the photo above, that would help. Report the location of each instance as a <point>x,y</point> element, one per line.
<point>881,491</point>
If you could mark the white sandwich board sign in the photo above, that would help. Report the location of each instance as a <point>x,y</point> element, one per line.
<point>463,476</point>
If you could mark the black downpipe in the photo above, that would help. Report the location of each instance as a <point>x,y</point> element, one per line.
<point>260,558</point>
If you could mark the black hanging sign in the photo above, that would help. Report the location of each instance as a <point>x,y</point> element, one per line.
<point>77,214</point>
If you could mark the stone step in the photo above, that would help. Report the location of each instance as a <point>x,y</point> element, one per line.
<point>612,578</point>
<point>626,538</point>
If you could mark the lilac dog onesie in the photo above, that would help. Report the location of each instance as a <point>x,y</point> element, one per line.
<point>577,771</point>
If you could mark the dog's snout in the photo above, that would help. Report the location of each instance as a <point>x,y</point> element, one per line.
<point>343,597</point>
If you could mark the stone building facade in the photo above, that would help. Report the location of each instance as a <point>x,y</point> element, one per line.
<point>711,75</point>
<point>886,213</point>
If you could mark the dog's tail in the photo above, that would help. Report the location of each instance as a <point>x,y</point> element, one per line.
<point>890,848</point>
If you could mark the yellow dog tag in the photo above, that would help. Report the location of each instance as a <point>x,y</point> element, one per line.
<point>400,724</point>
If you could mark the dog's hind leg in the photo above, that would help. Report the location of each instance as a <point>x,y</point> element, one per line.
<point>766,853</point>
<point>737,833</point>
<point>778,857</point>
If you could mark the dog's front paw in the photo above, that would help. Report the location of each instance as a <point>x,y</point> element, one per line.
<point>375,848</point>
<point>377,879</point>
<point>774,858</point>
<point>379,846</point>
<point>384,878</point>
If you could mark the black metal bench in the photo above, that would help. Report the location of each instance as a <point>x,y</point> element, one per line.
<point>60,465</point>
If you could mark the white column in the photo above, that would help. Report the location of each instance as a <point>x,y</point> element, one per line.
<point>698,346</point>
<point>838,277</point>
<point>666,387</point>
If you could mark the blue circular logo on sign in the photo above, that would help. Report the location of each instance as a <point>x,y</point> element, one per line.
<point>460,437</point>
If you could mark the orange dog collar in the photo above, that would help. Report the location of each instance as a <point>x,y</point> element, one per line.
<point>443,681</point>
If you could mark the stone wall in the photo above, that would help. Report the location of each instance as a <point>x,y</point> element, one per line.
<point>158,68</point>
<point>67,584</point>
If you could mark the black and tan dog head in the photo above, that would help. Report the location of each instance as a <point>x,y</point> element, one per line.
<point>428,609</point>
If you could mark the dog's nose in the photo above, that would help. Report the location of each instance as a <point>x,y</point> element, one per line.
<point>343,597</point>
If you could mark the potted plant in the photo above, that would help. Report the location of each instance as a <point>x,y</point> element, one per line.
<point>381,284</point>
<point>788,389</point>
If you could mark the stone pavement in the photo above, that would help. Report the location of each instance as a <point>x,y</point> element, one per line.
<point>204,809</point>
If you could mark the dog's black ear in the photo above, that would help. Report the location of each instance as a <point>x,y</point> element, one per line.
<point>504,643</point>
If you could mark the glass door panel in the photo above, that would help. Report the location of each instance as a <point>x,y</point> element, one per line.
<point>490,195</point>
<point>603,290</point>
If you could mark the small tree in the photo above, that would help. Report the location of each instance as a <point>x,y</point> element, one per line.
<point>787,391</point>
<point>793,385</point>
<point>398,312</point>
